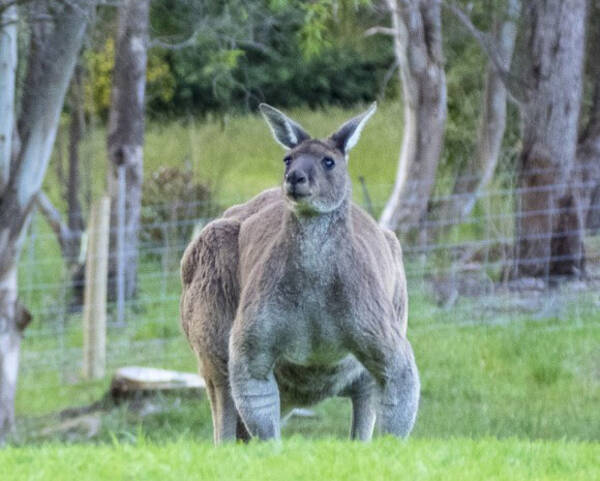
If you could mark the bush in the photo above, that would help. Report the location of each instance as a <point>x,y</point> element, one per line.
<point>173,203</point>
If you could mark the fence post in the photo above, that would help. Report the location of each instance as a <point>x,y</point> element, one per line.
<point>96,274</point>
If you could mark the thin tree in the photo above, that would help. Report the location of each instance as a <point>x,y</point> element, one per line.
<point>57,30</point>
<point>417,39</point>
<point>70,233</point>
<point>480,168</point>
<point>125,140</point>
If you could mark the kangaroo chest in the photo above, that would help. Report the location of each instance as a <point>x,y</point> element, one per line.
<point>314,362</point>
<point>313,303</point>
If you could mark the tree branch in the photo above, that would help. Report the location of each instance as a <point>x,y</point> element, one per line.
<point>63,233</point>
<point>8,69</point>
<point>516,88</point>
<point>157,42</point>
<point>379,30</point>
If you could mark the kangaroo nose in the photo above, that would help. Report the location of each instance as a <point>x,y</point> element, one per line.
<point>296,177</point>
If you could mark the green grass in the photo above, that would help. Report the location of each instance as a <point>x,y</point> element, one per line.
<point>535,379</point>
<point>240,158</point>
<point>299,459</point>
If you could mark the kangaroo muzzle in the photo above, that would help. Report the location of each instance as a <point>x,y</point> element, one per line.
<point>296,184</point>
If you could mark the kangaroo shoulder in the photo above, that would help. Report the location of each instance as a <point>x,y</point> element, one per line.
<point>262,225</point>
<point>242,211</point>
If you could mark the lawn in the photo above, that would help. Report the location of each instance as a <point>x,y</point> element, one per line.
<point>299,459</point>
<point>525,377</point>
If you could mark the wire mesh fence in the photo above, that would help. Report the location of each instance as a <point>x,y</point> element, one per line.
<point>458,272</point>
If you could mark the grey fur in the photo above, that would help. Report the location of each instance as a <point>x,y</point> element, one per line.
<point>296,296</point>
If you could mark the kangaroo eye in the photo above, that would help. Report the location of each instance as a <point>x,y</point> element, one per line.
<point>287,159</point>
<point>328,163</point>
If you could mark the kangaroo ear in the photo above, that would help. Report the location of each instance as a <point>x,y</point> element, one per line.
<point>348,134</point>
<point>286,132</point>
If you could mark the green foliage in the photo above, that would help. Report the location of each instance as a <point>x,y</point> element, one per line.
<point>160,83</point>
<point>324,20</point>
<point>313,35</point>
<point>301,55</point>
<point>99,64</point>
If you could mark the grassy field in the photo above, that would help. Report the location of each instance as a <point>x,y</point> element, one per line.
<point>506,394</point>
<point>299,459</point>
<point>525,377</point>
<point>239,157</point>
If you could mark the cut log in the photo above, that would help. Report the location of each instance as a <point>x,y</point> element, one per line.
<point>127,381</point>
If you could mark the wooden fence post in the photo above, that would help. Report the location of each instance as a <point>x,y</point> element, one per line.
<point>96,274</point>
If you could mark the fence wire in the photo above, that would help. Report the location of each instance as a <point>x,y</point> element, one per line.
<point>458,273</point>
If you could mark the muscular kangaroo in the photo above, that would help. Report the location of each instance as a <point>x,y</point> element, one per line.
<point>298,295</point>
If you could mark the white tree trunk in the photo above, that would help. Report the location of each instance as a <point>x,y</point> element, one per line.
<point>50,67</point>
<point>418,50</point>
<point>8,68</point>
<point>10,340</point>
<point>9,336</point>
<point>126,133</point>
<point>549,240</point>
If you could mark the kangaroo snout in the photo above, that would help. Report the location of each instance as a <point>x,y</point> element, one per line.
<point>296,183</point>
<point>296,177</point>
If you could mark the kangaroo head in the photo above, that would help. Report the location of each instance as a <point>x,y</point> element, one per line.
<point>316,177</point>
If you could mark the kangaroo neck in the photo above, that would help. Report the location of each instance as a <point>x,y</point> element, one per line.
<point>319,229</point>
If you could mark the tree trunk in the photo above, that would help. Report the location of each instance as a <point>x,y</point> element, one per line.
<point>549,237</point>
<point>69,234</point>
<point>76,129</point>
<point>54,49</point>
<point>9,336</point>
<point>8,68</point>
<point>417,34</point>
<point>10,340</point>
<point>75,219</point>
<point>588,161</point>
<point>126,134</point>
<point>481,167</point>
<point>588,148</point>
<point>14,318</point>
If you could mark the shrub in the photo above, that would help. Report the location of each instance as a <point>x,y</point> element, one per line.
<point>173,204</point>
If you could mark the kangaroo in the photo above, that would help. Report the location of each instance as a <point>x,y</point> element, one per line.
<point>298,295</point>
